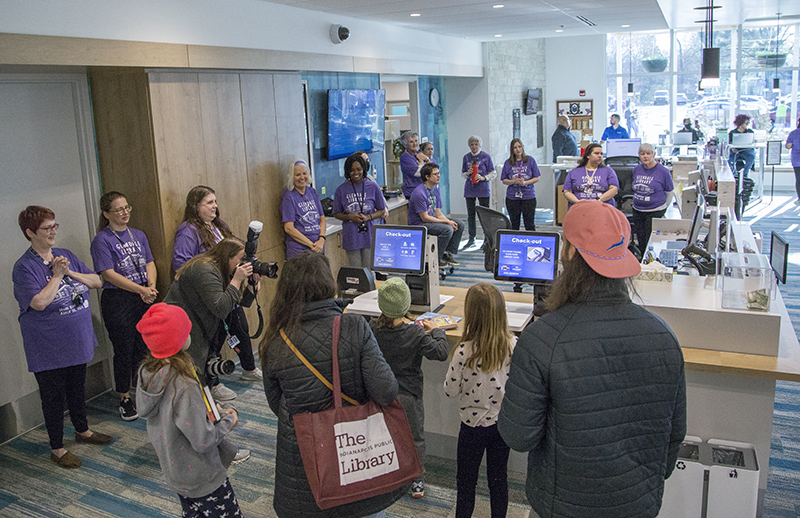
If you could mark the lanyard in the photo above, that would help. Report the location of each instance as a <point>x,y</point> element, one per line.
<point>66,278</point>
<point>134,260</point>
<point>361,201</point>
<point>431,198</point>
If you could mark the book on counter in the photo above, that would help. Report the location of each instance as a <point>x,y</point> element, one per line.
<point>441,321</point>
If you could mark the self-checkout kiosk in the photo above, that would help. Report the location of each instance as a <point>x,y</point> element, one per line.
<point>409,251</point>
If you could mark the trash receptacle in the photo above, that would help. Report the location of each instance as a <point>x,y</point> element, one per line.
<point>732,479</point>
<point>683,490</point>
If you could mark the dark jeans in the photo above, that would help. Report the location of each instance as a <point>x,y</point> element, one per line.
<point>238,327</point>
<point>222,502</point>
<point>527,208</point>
<point>415,412</point>
<point>643,226</point>
<point>471,444</point>
<point>448,239</point>
<point>121,311</point>
<point>54,385</point>
<point>797,180</point>
<point>473,230</point>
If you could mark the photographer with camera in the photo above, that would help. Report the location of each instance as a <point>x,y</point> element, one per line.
<point>201,230</point>
<point>358,202</point>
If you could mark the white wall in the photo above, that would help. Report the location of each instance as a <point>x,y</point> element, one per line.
<point>575,64</point>
<point>235,23</point>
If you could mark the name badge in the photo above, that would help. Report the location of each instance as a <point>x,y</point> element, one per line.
<point>233,341</point>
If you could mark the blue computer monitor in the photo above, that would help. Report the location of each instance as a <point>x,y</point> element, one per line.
<point>623,147</point>
<point>526,257</point>
<point>398,249</point>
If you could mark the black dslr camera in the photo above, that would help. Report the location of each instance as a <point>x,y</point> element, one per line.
<point>269,270</point>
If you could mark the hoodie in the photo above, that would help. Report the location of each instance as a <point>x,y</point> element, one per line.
<point>193,452</point>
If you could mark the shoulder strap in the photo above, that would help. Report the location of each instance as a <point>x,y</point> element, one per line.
<point>336,327</point>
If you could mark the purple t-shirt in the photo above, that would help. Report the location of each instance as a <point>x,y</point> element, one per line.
<point>423,200</point>
<point>650,187</point>
<point>304,210</point>
<point>485,168</point>
<point>409,165</point>
<point>364,198</point>
<point>586,186</point>
<point>61,335</point>
<point>188,244</point>
<point>794,138</point>
<point>127,258</point>
<point>524,170</point>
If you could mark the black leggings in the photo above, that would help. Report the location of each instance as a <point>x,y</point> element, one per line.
<point>643,226</point>
<point>527,208</point>
<point>238,327</point>
<point>473,230</point>
<point>121,311</point>
<point>54,386</point>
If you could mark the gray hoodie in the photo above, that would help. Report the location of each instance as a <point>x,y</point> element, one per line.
<point>193,451</point>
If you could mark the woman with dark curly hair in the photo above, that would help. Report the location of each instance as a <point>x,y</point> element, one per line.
<point>747,154</point>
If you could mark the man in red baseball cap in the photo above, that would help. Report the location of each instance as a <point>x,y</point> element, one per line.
<point>596,391</point>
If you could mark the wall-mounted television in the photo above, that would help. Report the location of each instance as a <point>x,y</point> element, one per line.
<point>355,121</point>
<point>533,100</point>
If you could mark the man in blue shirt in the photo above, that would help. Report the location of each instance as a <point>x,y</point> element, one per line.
<point>615,131</point>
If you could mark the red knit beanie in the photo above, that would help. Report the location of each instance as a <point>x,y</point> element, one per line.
<point>164,329</point>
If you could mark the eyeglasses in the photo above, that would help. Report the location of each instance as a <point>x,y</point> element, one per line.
<point>51,229</point>
<point>122,210</point>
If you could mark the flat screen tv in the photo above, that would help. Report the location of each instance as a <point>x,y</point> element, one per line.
<point>355,121</point>
<point>398,249</point>
<point>526,257</point>
<point>532,101</point>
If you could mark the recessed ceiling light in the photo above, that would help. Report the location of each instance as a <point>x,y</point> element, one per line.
<point>498,35</point>
<point>627,25</point>
<point>416,14</point>
<point>559,30</point>
<point>498,6</point>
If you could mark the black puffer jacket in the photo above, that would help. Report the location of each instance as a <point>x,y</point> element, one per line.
<point>292,389</point>
<point>597,395</point>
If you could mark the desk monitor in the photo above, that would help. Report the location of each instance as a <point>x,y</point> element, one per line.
<point>779,256</point>
<point>623,147</point>
<point>526,257</point>
<point>697,224</point>
<point>682,138</point>
<point>742,139</point>
<point>398,249</point>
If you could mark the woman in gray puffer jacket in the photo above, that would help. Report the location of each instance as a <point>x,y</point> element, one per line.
<point>304,308</point>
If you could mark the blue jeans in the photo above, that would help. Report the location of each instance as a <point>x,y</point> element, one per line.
<point>447,237</point>
<point>748,155</point>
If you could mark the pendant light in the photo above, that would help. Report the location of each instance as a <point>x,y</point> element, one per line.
<point>776,82</point>
<point>710,71</point>
<point>630,66</point>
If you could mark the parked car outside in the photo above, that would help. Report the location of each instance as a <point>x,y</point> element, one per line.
<point>680,98</point>
<point>660,97</point>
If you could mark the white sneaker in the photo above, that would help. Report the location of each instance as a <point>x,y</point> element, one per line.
<point>253,375</point>
<point>241,456</point>
<point>222,393</point>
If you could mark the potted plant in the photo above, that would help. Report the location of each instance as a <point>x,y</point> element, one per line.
<point>655,64</point>
<point>772,59</point>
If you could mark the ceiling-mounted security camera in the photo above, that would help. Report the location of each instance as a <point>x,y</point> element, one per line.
<point>339,33</point>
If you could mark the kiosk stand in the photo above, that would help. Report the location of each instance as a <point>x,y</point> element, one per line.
<point>425,287</point>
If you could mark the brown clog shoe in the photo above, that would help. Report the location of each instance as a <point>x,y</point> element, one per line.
<point>95,438</point>
<point>66,461</point>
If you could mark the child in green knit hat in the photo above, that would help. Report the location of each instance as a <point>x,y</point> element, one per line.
<point>404,345</point>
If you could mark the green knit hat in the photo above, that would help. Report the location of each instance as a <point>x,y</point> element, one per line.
<point>394,298</point>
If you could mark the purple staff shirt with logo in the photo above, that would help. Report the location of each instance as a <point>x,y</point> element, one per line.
<point>650,187</point>
<point>587,185</point>
<point>524,170</point>
<point>365,198</point>
<point>127,258</point>
<point>423,200</point>
<point>304,210</point>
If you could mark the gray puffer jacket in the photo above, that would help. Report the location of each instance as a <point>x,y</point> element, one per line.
<point>597,395</point>
<point>292,389</point>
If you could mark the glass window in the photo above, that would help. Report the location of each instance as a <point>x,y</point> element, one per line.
<point>760,48</point>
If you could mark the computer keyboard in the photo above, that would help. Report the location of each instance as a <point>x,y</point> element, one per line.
<point>669,258</point>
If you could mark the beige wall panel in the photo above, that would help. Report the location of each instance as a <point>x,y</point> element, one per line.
<point>264,59</point>
<point>289,117</point>
<point>264,171</point>
<point>178,138</point>
<point>224,147</point>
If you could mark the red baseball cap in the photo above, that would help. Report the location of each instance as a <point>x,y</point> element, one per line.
<point>601,234</point>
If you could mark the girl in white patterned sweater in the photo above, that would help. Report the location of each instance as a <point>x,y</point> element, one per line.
<point>477,375</point>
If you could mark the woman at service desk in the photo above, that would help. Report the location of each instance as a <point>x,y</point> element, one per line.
<point>122,257</point>
<point>411,161</point>
<point>747,154</point>
<point>592,179</point>
<point>520,172</point>
<point>201,230</point>
<point>427,149</point>
<point>793,144</point>
<point>51,286</point>
<point>652,194</point>
<point>564,143</point>
<point>358,202</point>
<point>478,170</point>
<point>302,315</point>
<point>301,213</point>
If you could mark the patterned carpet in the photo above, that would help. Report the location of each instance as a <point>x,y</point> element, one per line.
<point>124,479</point>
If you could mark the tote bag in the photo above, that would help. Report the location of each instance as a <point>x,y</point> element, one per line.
<point>354,452</point>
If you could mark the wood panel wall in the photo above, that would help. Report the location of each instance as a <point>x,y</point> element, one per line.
<point>160,133</point>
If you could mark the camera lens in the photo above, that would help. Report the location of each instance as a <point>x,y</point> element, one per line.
<point>217,366</point>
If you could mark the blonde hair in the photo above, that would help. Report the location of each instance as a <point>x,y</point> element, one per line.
<point>180,364</point>
<point>486,326</point>
<point>562,119</point>
<point>290,179</point>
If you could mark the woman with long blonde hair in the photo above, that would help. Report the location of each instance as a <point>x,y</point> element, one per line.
<point>477,375</point>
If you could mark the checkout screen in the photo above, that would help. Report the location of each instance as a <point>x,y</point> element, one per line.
<point>527,257</point>
<point>399,249</point>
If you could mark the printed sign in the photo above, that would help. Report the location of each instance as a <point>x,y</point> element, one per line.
<point>365,449</point>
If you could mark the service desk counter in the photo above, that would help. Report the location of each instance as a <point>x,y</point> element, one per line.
<point>730,387</point>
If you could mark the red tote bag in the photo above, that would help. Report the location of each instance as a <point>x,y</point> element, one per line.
<point>354,452</point>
